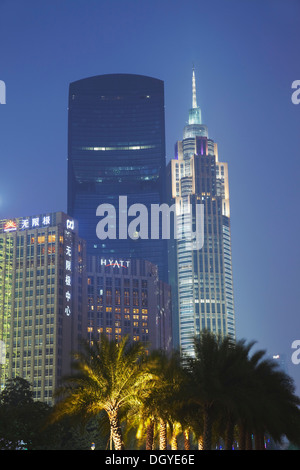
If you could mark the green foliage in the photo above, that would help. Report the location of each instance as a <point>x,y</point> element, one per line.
<point>24,424</point>
<point>22,419</point>
<point>16,392</point>
<point>117,394</point>
<point>231,389</point>
<point>108,376</point>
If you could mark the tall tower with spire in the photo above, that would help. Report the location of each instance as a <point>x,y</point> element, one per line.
<point>195,111</point>
<point>202,276</point>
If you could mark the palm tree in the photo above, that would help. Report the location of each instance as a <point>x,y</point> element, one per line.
<point>274,407</point>
<point>161,404</point>
<point>110,376</point>
<point>218,376</point>
<point>144,421</point>
<point>258,397</point>
<point>235,381</point>
<point>209,371</point>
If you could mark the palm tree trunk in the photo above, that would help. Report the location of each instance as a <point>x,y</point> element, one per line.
<point>115,429</point>
<point>186,437</point>
<point>207,430</point>
<point>249,441</point>
<point>150,436</point>
<point>259,441</point>
<point>229,433</point>
<point>200,443</point>
<point>163,435</point>
<point>174,442</point>
<point>242,436</point>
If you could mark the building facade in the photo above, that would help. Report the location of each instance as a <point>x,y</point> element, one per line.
<point>43,298</point>
<point>204,298</point>
<point>116,147</point>
<point>126,298</point>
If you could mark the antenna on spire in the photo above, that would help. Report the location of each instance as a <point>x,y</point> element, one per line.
<point>195,111</point>
<point>194,89</point>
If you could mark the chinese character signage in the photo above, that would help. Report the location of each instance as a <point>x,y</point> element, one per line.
<point>68,274</point>
<point>27,223</point>
<point>38,221</point>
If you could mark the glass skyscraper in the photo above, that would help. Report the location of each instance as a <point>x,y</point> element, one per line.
<point>116,147</point>
<point>204,297</point>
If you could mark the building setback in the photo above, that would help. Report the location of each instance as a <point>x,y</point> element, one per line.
<point>116,147</point>
<point>204,297</point>
<point>126,297</point>
<point>43,298</point>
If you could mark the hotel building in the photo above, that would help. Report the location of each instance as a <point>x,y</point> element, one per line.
<point>126,297</point>
<point>43,298</point>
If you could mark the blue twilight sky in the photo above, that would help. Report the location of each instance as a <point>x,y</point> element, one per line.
<point>246,56</point>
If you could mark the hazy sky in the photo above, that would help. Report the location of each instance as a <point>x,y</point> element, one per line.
<point>246,56</point>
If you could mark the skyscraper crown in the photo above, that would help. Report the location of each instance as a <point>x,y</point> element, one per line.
<point>195,111</point>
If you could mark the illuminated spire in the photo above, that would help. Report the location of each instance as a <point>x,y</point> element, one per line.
<point>195,111</point>
<point>194,89</point>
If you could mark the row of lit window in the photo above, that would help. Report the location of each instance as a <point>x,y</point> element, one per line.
<point>125,310</point>
<point>118,330</point>
<point>41,239</point>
